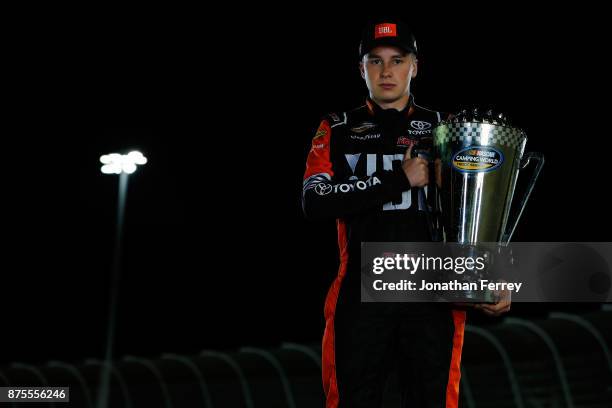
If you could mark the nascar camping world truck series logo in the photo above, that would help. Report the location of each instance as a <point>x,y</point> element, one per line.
<point>477,159</point>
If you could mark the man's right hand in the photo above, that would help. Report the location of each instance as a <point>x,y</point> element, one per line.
<point>416,169</point>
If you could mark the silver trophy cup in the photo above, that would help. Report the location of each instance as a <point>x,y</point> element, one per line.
<point>479,159</point>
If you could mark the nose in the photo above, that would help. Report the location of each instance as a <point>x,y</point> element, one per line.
<point>386,71</point>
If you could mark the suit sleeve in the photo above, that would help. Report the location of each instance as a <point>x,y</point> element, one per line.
<point>324,195</point>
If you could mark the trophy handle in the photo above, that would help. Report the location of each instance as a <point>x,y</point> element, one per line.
<point>539,158</point>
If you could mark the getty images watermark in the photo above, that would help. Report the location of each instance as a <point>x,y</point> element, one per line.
<point>532,272</point>
<point>458,265</point>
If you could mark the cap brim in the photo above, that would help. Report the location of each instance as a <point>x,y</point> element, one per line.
<point>392,41</point>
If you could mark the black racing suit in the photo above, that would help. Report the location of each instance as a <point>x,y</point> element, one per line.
<point>354,174</point>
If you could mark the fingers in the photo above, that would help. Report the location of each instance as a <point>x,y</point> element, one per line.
<point>495,309</point>
<point>502,304</point>
<point>408,154</point>
<point>416,169</point>
<point>417,173</point>
<point>418,162</point>
<point>502,295</point>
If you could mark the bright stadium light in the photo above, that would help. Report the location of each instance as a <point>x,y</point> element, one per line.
<point>116,163</point>
<point>123,165</point>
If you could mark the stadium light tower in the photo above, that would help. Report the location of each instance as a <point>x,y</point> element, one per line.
<point>123,165</point>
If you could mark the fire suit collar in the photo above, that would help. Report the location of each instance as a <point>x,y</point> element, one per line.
<point>379,112</point>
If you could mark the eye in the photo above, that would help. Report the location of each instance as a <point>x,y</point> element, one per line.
<point>398,61</point>
<point>375,61</point>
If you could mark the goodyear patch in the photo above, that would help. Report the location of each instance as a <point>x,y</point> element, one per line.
<point>477,159</point>
<point>363,127</point>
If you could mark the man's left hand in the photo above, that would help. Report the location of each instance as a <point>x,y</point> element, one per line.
<point>502,305</point>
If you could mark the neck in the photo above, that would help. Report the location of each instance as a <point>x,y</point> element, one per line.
<point>398,104</point>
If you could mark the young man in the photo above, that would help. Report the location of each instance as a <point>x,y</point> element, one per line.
<point>360,171</point>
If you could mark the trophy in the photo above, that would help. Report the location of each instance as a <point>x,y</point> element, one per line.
<point>478,159</point>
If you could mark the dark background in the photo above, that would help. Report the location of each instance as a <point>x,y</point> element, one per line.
<point>217,253</point>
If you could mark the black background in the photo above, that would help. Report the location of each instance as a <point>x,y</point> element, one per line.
<point>217,253</point>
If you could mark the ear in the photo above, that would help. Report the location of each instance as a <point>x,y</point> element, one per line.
<point>415,67</point>
<point>362,70</point>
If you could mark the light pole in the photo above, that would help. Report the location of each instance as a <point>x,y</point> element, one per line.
<point>123,165</point>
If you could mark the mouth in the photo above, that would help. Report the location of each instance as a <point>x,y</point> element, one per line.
<point>387,86</point>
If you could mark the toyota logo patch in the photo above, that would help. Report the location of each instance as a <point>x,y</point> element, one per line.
<point>420,125</point>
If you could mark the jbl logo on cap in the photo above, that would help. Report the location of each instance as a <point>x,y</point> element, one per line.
<point>385,30</point>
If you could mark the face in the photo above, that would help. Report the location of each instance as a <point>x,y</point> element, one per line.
<point>387,72</point>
